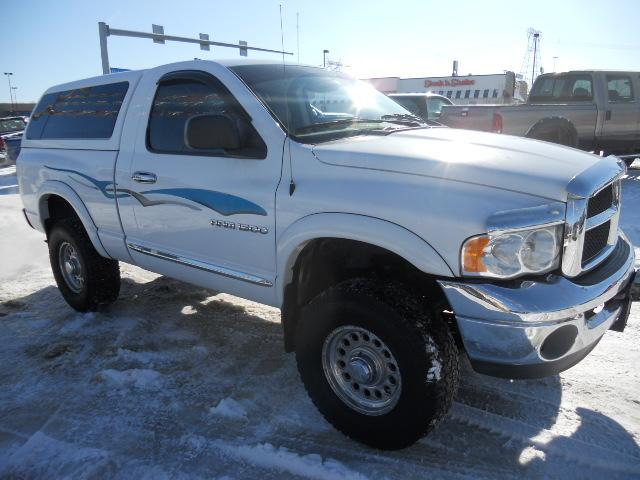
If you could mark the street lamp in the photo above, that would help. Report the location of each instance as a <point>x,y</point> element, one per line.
<point>324,58</point>
<point>15,95</point>
<point>8,74</point>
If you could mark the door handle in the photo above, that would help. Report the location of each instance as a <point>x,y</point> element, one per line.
<point>144,177</point>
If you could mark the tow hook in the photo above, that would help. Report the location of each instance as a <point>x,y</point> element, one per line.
<point>634,293</point>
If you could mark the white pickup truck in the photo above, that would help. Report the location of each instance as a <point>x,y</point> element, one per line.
<point>389,246</point>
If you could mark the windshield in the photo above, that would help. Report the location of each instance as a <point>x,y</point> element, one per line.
<point>434,106</point>
<point>562,88</point>
<point>12,125</point>
<point>310,102</point>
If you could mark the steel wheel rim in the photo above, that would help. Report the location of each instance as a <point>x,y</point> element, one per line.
<point>71,267</point>
<point>361,370</point>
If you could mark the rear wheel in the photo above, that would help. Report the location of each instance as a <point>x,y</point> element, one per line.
<point>85,279</point>
<point>555,130</point>
<point>376,362</point>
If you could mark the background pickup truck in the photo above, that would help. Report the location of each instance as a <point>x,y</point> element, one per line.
<point>389,246</point>
<point>591,110</point>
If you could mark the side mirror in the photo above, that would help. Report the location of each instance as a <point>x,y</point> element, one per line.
<point>212,132</point>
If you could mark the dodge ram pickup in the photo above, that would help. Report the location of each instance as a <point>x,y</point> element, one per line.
<point>591,110</point>
<point>390,246</point>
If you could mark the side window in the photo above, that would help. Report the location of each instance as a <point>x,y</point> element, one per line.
<point>620,88</point>
<point>582,89</point>
<point>83,113</point>
<point>178,99</point>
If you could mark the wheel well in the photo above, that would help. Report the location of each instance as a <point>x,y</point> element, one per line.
<point>325,262</point>
<point>550,128</point>
<point>57,208</point>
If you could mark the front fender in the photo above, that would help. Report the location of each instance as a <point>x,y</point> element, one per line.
<point>61,189</point>
<point>374,231</point>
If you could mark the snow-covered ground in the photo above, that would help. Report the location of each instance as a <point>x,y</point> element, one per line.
<point>175,381</point>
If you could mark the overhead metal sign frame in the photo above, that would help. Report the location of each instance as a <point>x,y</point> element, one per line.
<point>158,36</point>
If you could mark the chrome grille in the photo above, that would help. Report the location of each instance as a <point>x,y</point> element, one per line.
<point>594,241</point>
<point>600,202</point>
<point>593,211</point>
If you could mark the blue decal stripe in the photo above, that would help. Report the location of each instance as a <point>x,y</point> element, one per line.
<point>223,203</point>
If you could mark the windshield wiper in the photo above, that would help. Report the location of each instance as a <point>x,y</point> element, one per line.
<point>403,118</point>
<point>335,123</point>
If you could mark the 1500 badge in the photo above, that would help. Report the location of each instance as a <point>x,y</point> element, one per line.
<point>243,227</point>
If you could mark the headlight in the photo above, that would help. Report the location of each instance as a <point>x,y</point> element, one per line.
<point>511,254</point>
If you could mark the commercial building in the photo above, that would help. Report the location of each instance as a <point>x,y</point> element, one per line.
<point>470,89</point>
<point>17,109</point>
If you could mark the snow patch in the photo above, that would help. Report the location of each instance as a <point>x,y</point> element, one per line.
<point>139,378</point>
<point>229,408</point>
<point>435,372</point>
<point>41,456</point>
<point>200,350</point>
<point>77,323</point>
<point>311,466</point>
<point>140,357</point>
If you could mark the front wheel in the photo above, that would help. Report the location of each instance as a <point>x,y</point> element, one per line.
<point>85,279</point>
<point>377,364</point>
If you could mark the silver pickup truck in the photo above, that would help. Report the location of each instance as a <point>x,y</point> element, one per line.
<point>590,110</point>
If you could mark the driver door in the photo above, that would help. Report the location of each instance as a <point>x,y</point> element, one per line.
<point>203,216</point>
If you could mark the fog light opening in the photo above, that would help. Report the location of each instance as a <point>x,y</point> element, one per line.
<point>559,342</point>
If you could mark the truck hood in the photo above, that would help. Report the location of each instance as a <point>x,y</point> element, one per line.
<point>498,161</point>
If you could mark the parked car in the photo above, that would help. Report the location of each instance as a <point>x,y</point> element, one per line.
<point>12,147</point>
<point>10,126</point>
<point>591,110</point>
<point>389,246</point>
<point>424,105</point>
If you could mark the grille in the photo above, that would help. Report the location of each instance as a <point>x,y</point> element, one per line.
<point>594,241</point>
<point>601,202</point>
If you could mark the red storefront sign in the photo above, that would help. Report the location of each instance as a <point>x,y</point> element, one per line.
<point>454,82</point>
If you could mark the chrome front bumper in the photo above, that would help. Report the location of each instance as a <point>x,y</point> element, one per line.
<point>529,329</point>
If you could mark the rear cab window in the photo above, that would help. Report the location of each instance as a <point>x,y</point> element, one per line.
<point>414,104</point>
<point>562,88</point>
<point>9,125</point>
<point>82,113</point>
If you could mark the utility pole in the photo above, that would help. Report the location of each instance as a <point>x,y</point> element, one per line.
<point>9,74</point>
<point>536,39</point>
<point>324,58</point>
<point>298,34</point>
<point>158,36</point>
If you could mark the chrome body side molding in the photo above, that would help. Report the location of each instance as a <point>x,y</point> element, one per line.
<point>207,267</point>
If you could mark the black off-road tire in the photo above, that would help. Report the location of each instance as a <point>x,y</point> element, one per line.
<point>419,340</point>
<point>101,275</point>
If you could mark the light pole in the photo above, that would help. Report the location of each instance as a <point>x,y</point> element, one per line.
<point>324,58</point>
<point>15,96</point>
<point>8,74</point>
<point>554,64</point>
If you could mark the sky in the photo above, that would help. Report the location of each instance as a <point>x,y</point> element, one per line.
<point>50,42</point>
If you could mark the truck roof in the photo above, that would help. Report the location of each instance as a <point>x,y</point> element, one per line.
<point>628,72</point>
<point>136,74</point>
